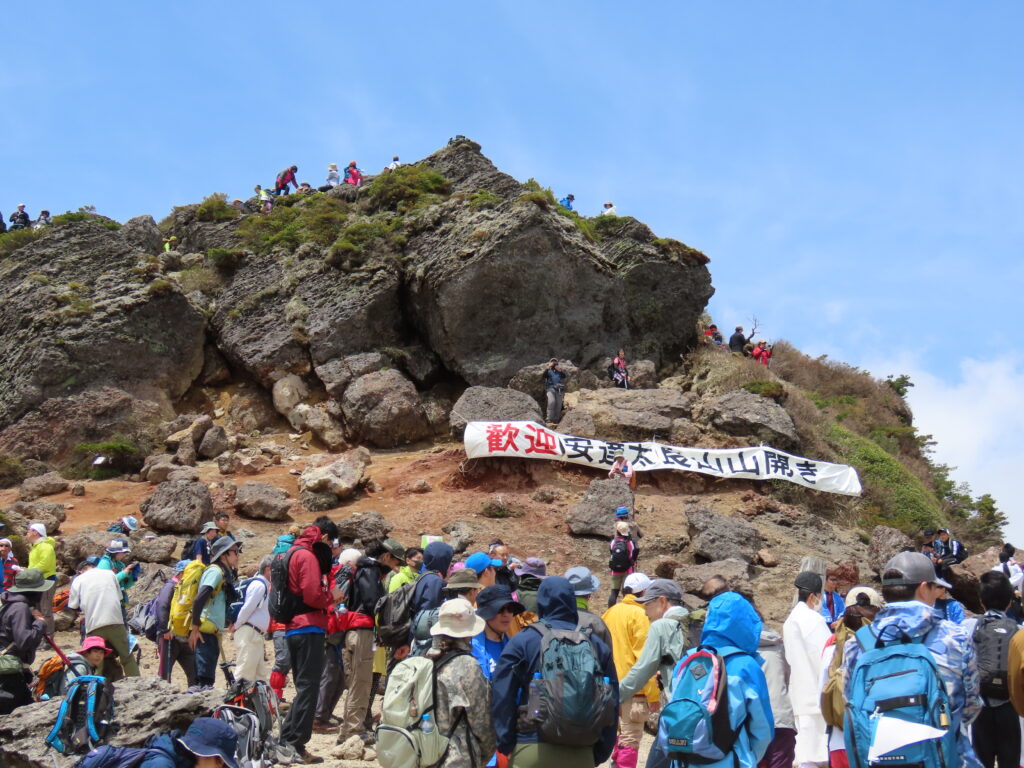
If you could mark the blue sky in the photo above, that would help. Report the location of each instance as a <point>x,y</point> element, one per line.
<point>853,170</point>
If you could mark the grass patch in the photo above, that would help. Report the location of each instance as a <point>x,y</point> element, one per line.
<point>199,278</point>
<point>482,200</point>
<point>69,217</point>
<point>12,241</point>
<point>12,471</point>
<point>406,186</point>
<point>223,259</point>
<point>159,287</point>
<point>357,241</point>
<point>608,226</point>
<point>540,196</point>
<point>215,207</point>
<point>772,390</point>
<point>318,220</point>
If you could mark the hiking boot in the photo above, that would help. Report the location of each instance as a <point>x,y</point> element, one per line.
<point>368,738</point>
<point>286,754</point>
<point>307,757</point>
<point>321,727</point>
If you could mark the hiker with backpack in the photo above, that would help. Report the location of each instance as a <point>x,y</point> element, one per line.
<point>950,608</point>
<point>171,648</point>
<point>97,594</point>
<point>727,724</point>
<point>537,709</point>
<point>87,660</point>
<point>407,573</point>
<point>908,636</point>
<point>201,546</point>
<point>995,733</point>
<point>209,609</point>
<point>22,627</point>
<point>622,562</point>
<point>485,566</point>
<point>251,624</point>
<point>496,607</point>
<point>531,574</point>
<point>804,635</point>
<point>300,597</point>
<point>284,178</point>
<point>126,526</point>
<point>554,388</point>
<point>584,585</point>
<point>628,624</point>
<point>8,565</point>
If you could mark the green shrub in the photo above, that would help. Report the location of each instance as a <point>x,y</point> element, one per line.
<point>223,259</point>
<point>12,471</point>
<point>607,226</point>
<point>318,219</point>
<point>12,241</point>
<point>215,207</point>
<point>406,186</point>
<point>355,242</point>
<point>772,390</point>
<point>482,199</point>
<point>72,216</point>
<point>122,457</point>
<point>199,278</point>
<point>159,287</point>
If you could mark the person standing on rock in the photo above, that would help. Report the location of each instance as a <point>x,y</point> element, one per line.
<point>554,387</point>
<point>21,629</point>
<point>43,557</point>
<point>567,201</point>
<point>622,562</point>
<point>8,565</point>
<point>172,649</point>
<point>584,585</point>
<point>620,371</point>
<point>201,547</point>
<point>353,175</point>
<point>738,341</point>
<point>805,634</point>
<point>284,178</point>
<point>209,611</point>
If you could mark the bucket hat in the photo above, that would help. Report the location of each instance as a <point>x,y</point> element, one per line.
<point>30,580</point>
<point>457,619</point>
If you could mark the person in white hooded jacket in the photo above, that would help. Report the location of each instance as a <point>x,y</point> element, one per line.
<point>776,673</point>
<point>804,636</point>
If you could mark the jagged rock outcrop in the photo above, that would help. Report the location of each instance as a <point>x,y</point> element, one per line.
<point>716,537</point>
<point>262,501</point>
<point>337,476</point>
<point>735,572</point>
<point>885,544</point>
<point>492,404</point>
<point>21,514</point>
<point>631,414</point>
<point>594,515</point>
<point>745,414</point>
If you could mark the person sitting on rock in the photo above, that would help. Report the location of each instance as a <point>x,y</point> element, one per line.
<point>622,468</point>
<point>353,175</point>
<point>566,202</point>
<point>20,219</point>
<point>762,353</point>
<point>609,210</point>
<point>394,165</point>
<point>714,336</point>
<point>125,526</point>
<point>305,188</point>
<point>44,220</point>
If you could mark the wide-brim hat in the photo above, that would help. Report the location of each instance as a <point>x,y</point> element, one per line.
<point>457,619</point>
<point>221,546</point>
<point>533,566</point>
<point>207,737</point>
<point>582,580</point>
<point>464,578</point>
<point>92,642</point>
<point>30,580</point>
<point>118,547</point>
<point>492,599</point>
<point>208,526</point>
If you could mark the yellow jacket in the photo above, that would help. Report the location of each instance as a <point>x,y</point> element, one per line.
<point>1017,671</point>
<point>43,557</point>
<point>628,624</point>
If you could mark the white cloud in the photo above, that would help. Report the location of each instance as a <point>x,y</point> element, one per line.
<point>978,423</point>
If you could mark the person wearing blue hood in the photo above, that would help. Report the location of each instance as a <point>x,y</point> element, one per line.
<point>556,605</point>
<point>428,594</point>
<point>733,629</point>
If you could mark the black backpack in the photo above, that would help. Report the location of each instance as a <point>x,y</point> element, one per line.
<point>611,371</point>
<point>621,559</point>
<point>284,605</point>
<point>188,551</point>
<point>992,637</point>
<point>394,617</point>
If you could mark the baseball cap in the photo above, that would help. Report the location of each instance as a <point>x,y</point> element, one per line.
<point>808,581</point>
<point>662,588</point>
<point>929,531</point>
<point>637,582</point>
<point>582,580</point>
<point>479,561</point>
<point>457,619</point>
<point>118,547</point>
<point>872,596</point>
<point>622,528</point>
<point>492,599</point>
<point>914,568</point>
<point>207,737</point>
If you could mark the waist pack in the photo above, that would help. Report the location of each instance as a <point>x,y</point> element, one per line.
<point>992,637</point>
<point>898,680</point>
<point>570,700</point>
<point>85,716</point>
<point>695,725</point>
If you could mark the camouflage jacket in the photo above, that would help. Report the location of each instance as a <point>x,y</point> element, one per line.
<point>464,695</point>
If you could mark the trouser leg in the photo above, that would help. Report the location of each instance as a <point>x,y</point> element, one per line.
<point>332,683</point>
<point>46,606</point>
<point>358,660</point>
<point>307,656</point>
<point>250,663</point>
<point>116,636</point>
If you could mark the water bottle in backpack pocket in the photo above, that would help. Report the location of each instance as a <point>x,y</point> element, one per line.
<point>896,684</point>
<point>695,726</point>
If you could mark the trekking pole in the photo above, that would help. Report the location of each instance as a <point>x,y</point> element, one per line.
<point>59,652</point>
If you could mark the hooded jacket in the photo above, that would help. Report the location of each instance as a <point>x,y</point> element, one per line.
<point>664,646</point>
<point>733,629</point>
<point>306,580</point>
<point>952,650</point>
<point>776,674</point>
<point>556,604</point>
<point>437,559</point>
<point>44,557</point>
<point>629,625</point>
<point>163,751</point>
<point>18,627</point>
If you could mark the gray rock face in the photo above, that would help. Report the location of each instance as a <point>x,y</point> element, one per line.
<point>85,542</point>
<point>287,393</point>
<point>157,467</point>
<point>631,414</point>
<point>215,371</point>
<point>338,373</point>
<point>735,572</point>
<point>21,514</point>
<point>177,506</point>
<point>885,544</point>
<point>492,404</point>
<point>251,410</point>
<point>717,537</point>
<point>319,420</point>
<point>366,527</point>
<point>150,548</point>
<point>340,476</point>
<point>262,501</point>
<point>144,706</point>
<point>142,234</point>
<point>745,414</point>
<point>383,409</point>
<point>530,380</point>
<point>42,485</point>
<point>312,501</point>
<point>594,515</point>
<point>248,461</point>
<point>214,442</point>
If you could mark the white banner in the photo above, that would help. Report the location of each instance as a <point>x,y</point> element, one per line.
<point>529,440</point>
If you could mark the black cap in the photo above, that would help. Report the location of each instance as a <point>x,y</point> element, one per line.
<point>808,581</point>
<point>490,600</point>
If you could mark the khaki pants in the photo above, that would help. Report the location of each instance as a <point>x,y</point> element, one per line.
<point>250,660</point>
<point>632,716</point>
<point>46,606</point>
<point>116,636</point>
<point>358,661</point>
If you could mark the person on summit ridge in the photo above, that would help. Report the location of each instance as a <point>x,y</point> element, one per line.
<point>284,178</point>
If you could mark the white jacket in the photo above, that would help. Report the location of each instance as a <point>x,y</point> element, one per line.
<point>804,635</point>
<point>97,595</point>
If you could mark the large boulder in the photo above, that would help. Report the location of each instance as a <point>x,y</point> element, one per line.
<point>262,502</point>
<point>148,547</point>
<point>144,706</point>
<point>735,572</point>
<point>338,373</point>
<point>745,414</point>
<point>247,461</point>
<point>251,410</point>
<point>384,409</point>
<point>631,414</point>
<point>966,588</point>
<point>492,404</point>
<point>157,467</point>
<point>42,485</point>
<point>85,542</point>
<point>717,537</point>
<point>983,561</point>
<point>339,476</point>
<point>288,392</point>
<point>320,419</point>
<point>21,514</point>
<point>885,544</point>
<point>594,515</point>
<point>365,526</point>
<point>214,442</point>
<point>177,506</point>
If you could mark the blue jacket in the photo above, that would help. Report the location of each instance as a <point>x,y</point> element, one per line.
<point>838,607</point>
<point>427,593</point>
<point>284,543</point>
<point>163,752</point>
<point>733,628</point>
<point>556,604</point>
<point>565,202</point>
<point>553,378</point>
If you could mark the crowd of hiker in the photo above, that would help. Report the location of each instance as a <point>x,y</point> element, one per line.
<point>489,659</point>
<point>739,343</point>
<point>21,219</point>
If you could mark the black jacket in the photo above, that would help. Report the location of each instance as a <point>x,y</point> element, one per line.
<point>737,341</point>
<point>17,627</point>
<point>367,586</point>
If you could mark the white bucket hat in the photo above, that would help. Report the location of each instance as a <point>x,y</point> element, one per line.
<point>458,619</point>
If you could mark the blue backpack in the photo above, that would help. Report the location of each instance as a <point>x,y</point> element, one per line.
<point>240,591</point>
<point>898,678</point>
<point>695,727</point>
<point>106,756</point>
<point>85,715</point>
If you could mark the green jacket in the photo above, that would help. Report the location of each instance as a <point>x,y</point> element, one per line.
<point>405,575</point>
<point>666,641</point>
<point>43,557</point>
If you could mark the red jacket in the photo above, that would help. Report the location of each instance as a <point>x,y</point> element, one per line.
<point>762,355</point>
<point>342,622</point>
<point>305,579</point>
